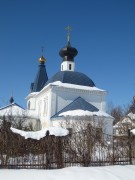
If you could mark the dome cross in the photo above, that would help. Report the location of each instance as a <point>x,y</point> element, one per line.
<point>42,50</point>
<point>68,29</point>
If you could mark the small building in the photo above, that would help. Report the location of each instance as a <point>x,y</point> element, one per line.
<point>19,117</point>
<point>127,123</point>
<point>12,109</point>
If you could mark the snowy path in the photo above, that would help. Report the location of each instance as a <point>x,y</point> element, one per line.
<point>72,173</point>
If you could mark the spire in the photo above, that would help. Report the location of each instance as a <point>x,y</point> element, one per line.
<point>41,77</point>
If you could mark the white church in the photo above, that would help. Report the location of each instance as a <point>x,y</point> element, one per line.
<point>67,95</point>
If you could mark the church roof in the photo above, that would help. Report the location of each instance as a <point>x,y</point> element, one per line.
<point>72,77</point>
<point>11,109</point>
<point>41,77</point>
<point>80,104</point>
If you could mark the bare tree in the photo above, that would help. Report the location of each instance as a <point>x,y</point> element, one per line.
<point>118,112</point>
<point>19,122</point>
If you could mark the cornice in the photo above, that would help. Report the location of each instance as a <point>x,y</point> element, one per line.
<point>79,90</point>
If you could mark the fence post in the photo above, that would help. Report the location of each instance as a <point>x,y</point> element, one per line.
<point>113,151</point>
<point>48,157</point>
<point>60,163</point>
<point>130,147</point>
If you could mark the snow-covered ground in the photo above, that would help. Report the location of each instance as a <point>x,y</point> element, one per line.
<point>72,173</point>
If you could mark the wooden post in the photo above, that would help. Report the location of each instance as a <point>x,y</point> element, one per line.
<point>113,151</point>
<point>130,147</point>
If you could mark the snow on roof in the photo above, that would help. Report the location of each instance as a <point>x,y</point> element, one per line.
<point>72,86</point>
<point>131,115</point>
<point>78,103</point>
<point>80,112</point>
<point>15,110</point>
<point>56,131</point>
<point>12,109</point>
<point>126,120</point>
<point>32,94</point>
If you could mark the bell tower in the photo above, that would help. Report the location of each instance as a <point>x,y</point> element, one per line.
<point>41,77</point>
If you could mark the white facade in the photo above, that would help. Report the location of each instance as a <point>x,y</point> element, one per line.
<point>63,89</point>
<point>67,66</point>
<point>56,96</point>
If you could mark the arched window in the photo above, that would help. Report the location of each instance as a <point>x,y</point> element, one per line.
<point>39,108</point>
<point>45,106</point>
<point>29,105</point>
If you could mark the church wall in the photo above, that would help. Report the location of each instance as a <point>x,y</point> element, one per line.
<point>53,99</point>
<point>31,102</point>
<point>64,96</point>
<point>43,104</point>
<point>67,66</point>
<point>54,108</point>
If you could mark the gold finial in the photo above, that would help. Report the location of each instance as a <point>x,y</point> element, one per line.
<point>42,59</point>
<point>68,28</point>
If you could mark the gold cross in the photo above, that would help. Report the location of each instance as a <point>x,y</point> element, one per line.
<point>68,28</point>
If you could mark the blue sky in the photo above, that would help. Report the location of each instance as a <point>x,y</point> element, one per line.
<point>103,31</point>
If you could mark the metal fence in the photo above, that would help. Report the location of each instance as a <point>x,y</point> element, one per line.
<point>88,147</point>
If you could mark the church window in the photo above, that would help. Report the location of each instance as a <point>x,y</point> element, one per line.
<point>45,106</point>
<point>69,66</point>
<point>39,108</point>
<point>29,105</point>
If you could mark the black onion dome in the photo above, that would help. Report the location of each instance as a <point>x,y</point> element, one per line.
<point>72,77</point>
<point>68,53</point>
